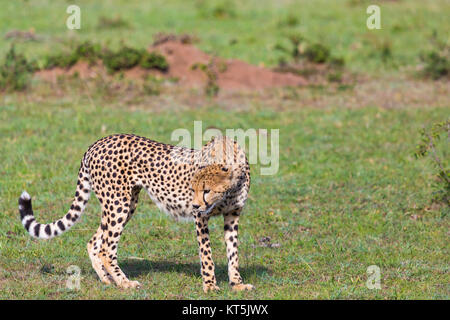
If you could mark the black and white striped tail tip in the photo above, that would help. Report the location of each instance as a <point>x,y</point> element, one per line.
<point>25,196</point>
<point>25,205</point>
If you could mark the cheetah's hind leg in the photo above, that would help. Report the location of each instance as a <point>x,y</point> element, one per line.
<point>93,248</point>
<point>114,218</point>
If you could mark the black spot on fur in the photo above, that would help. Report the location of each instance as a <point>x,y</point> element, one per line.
<point>37,229</point>
<point>27,225</point>
<point>61,225</point>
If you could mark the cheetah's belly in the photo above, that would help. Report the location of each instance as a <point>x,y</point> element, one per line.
<point>176,208</point>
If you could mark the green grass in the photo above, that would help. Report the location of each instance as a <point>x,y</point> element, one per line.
<point>348,194</point>
<point>342,200</point>
<point>250,32</point>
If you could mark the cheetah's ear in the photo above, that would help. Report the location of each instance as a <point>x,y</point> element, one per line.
<point>224,178</point>
<point>212,140</point>
<point>225,169</point>
<point>226,172</point>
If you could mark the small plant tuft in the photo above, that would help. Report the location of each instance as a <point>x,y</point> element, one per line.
<point>430,146</point>
<point>312,52</point>
<point>88,51</point>
<point>15,71</point>
<point>84,51</point>
<point>154,60</point>
<point>212,88</point>
<point>126,58</point>
<point>437,60</point>
<point>317,53</point>
<point>311,60</point>
<point>60,60</point>
<point>289,21</point>
<point>436,65</point>
<point>112,23</point>
<point>224,9</point>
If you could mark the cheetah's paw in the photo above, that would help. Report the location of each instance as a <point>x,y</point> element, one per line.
<point>210,287</point>
<point>242,287</point>
<point>127,284</point>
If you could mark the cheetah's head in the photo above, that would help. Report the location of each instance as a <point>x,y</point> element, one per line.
<point>210,185</point>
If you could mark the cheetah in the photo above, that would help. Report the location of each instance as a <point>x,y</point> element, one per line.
<point>184,183</point>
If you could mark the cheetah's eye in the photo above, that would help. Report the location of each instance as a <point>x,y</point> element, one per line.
<point>206,191</point>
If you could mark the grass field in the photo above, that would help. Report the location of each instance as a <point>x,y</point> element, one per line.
<point>349,192</point>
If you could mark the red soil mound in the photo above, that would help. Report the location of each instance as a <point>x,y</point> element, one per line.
<point>230,74</point>
<point>81,68</point>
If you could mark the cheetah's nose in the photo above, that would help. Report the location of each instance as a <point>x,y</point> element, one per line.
<point>196,206</point>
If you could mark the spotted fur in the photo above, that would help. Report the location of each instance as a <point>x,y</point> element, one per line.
<point>184,183</point>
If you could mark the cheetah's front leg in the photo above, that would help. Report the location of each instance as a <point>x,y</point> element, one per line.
<point>207,264</point>
<point>231,222</point>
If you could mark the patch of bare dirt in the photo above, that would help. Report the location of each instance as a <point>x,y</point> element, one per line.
<point>385,93</point>
<point>162,37</point>
<point>231,74</point>
<point>81,69</point>
<point>320,73</point>
<point>22,35</point>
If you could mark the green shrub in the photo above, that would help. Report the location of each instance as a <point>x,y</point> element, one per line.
<point>60,60</point>
<point>154,60</point>
<point>122,59</point>
<point>126,58</point>
<point>84,51</point>
<point>437,60</point>
<point>437,64</point>
<point>88,51</point>
<point>212,87</point>
<point>317,53</point>
<point>302,49</point>
<point>431,145</point>
<point>15,71</point>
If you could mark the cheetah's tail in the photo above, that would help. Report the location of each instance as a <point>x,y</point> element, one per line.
<point>51,230</point>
